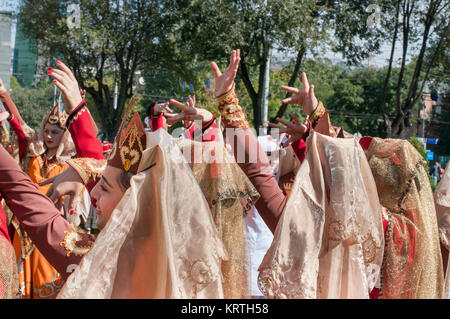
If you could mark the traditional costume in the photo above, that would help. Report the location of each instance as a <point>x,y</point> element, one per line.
<point>155,245</point>
<point>412,263</point>
<point>273,201</point>
<point>52,234</point>
<point>442,202</point>
<point>229,194</point>
<point>38,279</point>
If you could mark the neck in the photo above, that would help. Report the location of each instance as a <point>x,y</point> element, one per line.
<point>51,152</point>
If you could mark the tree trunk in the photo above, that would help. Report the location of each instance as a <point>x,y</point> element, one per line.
<point>294,76</point>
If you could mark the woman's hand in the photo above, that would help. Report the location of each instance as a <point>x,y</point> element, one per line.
<point>68,183</point>
<point>224,82</point>
<point>161,108</point>
<point>294,129</point>
<point>188,112</point>
<point>66,82</point>
<point>305,97</point>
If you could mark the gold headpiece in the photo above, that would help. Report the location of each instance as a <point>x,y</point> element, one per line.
<point>129,144</point>
<point>55,117</point>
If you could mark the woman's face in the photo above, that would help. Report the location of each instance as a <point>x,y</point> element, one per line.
<point>108,193</point>
<point>52,135</point>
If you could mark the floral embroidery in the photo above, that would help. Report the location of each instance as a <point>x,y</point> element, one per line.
<point>72,243</point>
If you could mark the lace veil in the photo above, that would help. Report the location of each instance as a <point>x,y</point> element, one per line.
<point>442,201</point>
<point>161,241</point>
<point>329,240</point>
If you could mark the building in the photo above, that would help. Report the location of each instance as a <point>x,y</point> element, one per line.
<point>5,47</point>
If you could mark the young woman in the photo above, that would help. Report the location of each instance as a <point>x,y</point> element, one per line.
<point>43,155</point>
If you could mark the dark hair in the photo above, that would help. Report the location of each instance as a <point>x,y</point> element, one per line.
<point>125,178</point>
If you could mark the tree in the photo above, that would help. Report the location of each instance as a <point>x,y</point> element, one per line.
<point>33,103</point>
<point>101,39</point>
<point>408,21</point>
<point>211,29</point>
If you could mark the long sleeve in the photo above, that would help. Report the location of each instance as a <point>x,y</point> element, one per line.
<point>58,241</point>
<point>252,159</point>
<point>80,125</point>
<point>17,128</point>
<point>207,133</point>
<point>10,106</point>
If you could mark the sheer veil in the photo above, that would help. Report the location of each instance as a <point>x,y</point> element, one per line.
<point>161,241</point>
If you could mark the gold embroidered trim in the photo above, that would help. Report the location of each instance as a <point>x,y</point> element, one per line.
<point>83,109</point>
<point>89,169</point>
<point>317,114</point>
<point>70,243</point>
<point>232,114</point>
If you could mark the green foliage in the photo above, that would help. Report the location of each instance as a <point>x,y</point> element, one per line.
<point>418,146</point>
<point>33,104</point>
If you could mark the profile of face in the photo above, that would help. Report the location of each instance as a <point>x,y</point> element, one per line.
<point>107,192</point>
<point>52,135</point>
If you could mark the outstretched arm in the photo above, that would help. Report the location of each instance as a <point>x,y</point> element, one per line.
<point>247,151</point>
<point>317,114</point>
<point>200,121</point>
<point>50,231</point>
<point>79,122</point>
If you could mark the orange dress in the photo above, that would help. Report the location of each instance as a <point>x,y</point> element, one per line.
<point>38,279</point>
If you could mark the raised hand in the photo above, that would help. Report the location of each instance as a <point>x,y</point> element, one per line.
<point>305,97</point>
<point>188,112</point>
<point>294,129</point>
<point>66,82</point>
<point>224,82</point>
<point>162,108</point>
<point>68,183</point>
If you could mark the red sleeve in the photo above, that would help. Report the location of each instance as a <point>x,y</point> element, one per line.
<point>15,126</point>
<point>300,145</point>
<point>80,126</point>
<point>157,122</point>
<point>208,132</point>
<point>58,241</point>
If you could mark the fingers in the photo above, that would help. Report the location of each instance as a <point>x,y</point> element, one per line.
<point>59,204</point>
<point>66,70</point>
<point>175,118</point>
<point>48,181</point>
<point>72,203</point>
<point>191,101</point>
<point>61,87</point>
<point>305,83</point>
<point>291,100</point>
<point>311,92</point>
<point>275,125</point>
<point>292,90</point>
<point>59,76</point>
<point>295,119</point>
<point>287,123</point>
<point>215,69</point>
<point>181,106</point>
<point>54,195</point>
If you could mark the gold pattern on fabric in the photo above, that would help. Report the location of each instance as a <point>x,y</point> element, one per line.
<point>230,195</point>
<point>26,244</point>
<point>9,280</point>
<point>160,242</point>
<point>89,169</point>
<point>230,111</point>
<point>329,240</point>
<point>77,243</point>
<point>413,264</point>
<point>442,202</point>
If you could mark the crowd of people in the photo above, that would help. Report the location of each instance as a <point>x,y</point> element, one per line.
<point>215,211</point>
